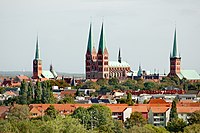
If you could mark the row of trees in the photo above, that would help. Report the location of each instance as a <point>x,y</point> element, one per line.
<point>96,118</point>
<point>103,85</point>
<point>41,92</point>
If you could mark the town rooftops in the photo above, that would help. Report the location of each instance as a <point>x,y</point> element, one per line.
<point>189,75</point>
<point>118,64</point>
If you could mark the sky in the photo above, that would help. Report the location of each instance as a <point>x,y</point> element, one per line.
<point>143,29</point>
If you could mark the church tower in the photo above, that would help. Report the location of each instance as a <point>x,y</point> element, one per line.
<point>175,59</point>
<point>102,57</point>
<point>37,63</point>
<point>91,58</point>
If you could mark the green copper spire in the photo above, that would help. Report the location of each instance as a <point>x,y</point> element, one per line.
<point>102,41</point>
<point>37,52</point>
<point>139,71</point>
<point>90,40</point>
<point>175,47</point>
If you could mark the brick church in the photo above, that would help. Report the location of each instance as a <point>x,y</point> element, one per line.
<point>98,65</point>
<point>175,65</point>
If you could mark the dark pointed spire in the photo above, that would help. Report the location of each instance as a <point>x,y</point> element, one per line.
<point>73,83</point>
<point>37,52</point>
<point>175,52</point>
<point>102,43</point>
<point>139,71</point>
<point>90,40</point>
<point>119,56</point>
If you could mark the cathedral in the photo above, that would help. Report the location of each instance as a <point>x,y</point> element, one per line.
<point>97,64</point>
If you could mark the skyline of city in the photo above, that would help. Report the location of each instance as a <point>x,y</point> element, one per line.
<point>63,33</point>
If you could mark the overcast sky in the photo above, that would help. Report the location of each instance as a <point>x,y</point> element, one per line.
<point>143,29</point>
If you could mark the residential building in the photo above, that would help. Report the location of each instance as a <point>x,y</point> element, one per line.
<point>159,116</point>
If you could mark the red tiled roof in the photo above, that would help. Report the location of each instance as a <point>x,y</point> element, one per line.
<point>142,109</point>
<point>157,101</point>
<point>187,109</point>
<point>159,109</point>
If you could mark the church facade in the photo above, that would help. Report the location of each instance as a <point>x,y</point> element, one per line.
<point>98,65</point>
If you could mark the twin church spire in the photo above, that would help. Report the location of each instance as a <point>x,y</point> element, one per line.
<point>102,42</point>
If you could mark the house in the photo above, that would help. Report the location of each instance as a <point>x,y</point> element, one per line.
<point>184,109</point>
<point>159,116</point>
<point>20,78</point>
<point>10,83</point>
<point>184,112</point>
<point>141,109</point>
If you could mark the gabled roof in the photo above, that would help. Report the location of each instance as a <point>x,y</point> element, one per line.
<point>157,101</point>
<point>189,75</point>
<point>159,109</point>
<point>118,64</point>
<point>47,74</point>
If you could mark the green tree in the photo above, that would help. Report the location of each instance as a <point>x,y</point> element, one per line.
<point>156,129</point>
<point>67,99</point>
<point>150,85</point>
<point>100,118</point>
<point>77,92</point>
<point>18,113</point>
<point>118,126</point>
<point>136,119</point>
<point>38,92</point>
<point>83,115</point>
<point>30,93</point>
<point>136,129</point>
<point>173,111</point>
<point>102,82</point>
<point>91,85</point>
<point>176,125</point>
<point>51,112</point>
<point>23,92</point>
<point>113,81</point>
<point>129,100</point>
<point>194,118</point>
<point>2,89</point>
<point>192,128</point>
